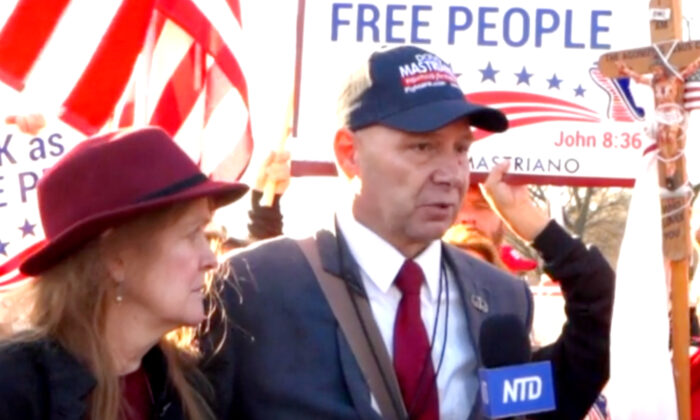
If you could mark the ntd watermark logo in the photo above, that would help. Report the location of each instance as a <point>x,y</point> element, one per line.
<point>517,390</point>
<point>522,389</point>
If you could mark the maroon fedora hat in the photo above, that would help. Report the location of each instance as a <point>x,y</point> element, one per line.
<point>106,180</point>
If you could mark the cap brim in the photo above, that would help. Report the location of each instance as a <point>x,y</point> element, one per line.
<point>79,234</point>
<point>435,115</point>
<point>516,263</point>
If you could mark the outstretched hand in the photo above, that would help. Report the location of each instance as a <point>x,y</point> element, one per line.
<point>513,204</point>
<point>625,71</point>
<point>28,124</point>
<point>275,168</point>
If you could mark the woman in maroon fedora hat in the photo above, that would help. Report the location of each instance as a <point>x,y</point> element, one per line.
<point>118,281</point>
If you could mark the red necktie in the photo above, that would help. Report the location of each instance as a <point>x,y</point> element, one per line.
<point>412,361</point>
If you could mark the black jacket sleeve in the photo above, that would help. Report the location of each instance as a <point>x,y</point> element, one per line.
<point>265,222</point>
<point>581,355</point>
<point>22,394</point>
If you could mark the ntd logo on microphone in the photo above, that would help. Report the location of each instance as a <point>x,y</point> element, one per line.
<point>522,389</point>
<point>517,390</point>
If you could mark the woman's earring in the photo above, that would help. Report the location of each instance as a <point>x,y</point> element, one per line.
<point>118,297</point>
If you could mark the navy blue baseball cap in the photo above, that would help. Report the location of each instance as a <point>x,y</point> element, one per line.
<point>413,90</point>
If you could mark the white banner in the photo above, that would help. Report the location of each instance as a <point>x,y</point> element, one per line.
<point>537,63</point>
<point>23,159</point>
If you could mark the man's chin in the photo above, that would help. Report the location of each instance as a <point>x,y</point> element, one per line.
<point>431,231</point>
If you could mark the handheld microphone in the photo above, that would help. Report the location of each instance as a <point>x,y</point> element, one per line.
<point>510,385</point>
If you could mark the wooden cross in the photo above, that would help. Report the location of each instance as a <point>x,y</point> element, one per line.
<point>670,62</point>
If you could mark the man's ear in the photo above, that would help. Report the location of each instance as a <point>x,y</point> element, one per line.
<point>345,148</point>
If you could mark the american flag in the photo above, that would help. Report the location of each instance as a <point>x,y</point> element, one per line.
<point>599,410</point>
<point>177,64</point>
<point>692,92</point>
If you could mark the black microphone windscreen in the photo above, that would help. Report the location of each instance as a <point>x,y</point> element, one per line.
<point>503,341</point>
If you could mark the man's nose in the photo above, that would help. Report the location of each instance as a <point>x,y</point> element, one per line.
<point>451,171</point>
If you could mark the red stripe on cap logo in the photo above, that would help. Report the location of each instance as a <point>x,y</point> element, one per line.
<point>427,70</point>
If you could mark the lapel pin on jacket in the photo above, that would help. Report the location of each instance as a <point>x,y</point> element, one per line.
<point>480,303</point>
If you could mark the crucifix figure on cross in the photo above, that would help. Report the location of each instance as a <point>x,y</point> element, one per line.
<point>666,66</point>
<point>668,85</point>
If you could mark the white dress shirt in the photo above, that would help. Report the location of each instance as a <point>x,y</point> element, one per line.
<point>379,264</point>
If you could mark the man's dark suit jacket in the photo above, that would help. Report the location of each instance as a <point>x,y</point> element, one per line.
<point>284,355</point>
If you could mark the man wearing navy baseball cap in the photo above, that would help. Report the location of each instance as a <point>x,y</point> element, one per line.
<point>412,90</point>
<point>378,318</point>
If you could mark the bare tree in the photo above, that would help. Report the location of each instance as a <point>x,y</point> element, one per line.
<point>597,215</point>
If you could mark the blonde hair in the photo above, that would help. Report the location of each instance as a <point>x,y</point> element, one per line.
<point>68,303</point>
<point>357,83</point>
